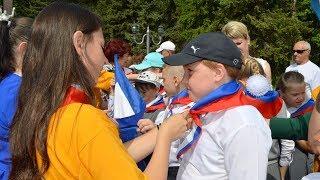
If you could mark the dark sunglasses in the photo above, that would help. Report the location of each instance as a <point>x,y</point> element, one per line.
<point>299,51</point>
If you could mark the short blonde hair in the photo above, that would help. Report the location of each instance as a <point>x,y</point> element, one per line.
<point>250,67</point>
<point>232,71</point>
<point>235,29</point>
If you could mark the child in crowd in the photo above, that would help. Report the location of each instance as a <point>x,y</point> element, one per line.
<point>177,96</point>
<point>148,85</point>
<point>224,128</point>
<point>292,89</point>
<point>151,62</point>
<point>174,88</point>
<point>252,67</point>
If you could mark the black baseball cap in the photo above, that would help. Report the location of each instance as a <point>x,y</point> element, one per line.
<point>213,46</point>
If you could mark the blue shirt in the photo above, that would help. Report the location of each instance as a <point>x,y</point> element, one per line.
<point>9,89</point>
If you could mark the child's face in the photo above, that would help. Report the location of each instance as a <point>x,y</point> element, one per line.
<point>200,80</point>
<point>148,93</point>
<point>295,95</point>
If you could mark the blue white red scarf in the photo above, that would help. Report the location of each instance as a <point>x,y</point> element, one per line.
<point>227,96</point>
<point>305,108</point>
<point>156,104</point>
<point>182,98</point>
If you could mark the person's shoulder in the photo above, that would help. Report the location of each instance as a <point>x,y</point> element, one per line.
<point>11,81</point>
<point>241,109</point>
<point>260,60</point>
<point>88,116</point>
<point>9,87</point>
<point>244,116</point>
<point>237,117</point>
<point>313,66</point>
<point>291,67</point>
<point>88,120</point>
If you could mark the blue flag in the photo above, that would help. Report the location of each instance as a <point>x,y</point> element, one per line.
<point>129,106</point>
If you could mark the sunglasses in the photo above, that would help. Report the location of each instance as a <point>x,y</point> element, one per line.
<point>299,51</point>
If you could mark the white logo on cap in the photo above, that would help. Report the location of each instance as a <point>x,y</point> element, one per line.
<point>194,49</point>
<point>235,61</point>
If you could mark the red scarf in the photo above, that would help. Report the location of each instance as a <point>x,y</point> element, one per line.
<point>75,95</point>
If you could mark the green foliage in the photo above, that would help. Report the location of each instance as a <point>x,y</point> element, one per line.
<point>274,25</point>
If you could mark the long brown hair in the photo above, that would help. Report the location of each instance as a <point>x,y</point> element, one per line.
<point>51,64</point>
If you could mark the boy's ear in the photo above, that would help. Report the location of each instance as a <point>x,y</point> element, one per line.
<point>175,81</point>
<point>220,72</point>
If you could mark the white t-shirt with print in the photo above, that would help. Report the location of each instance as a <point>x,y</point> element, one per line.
<point>311,73</point>
<point>234,144</point>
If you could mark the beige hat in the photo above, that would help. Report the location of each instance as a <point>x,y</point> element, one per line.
<point>149,77</point>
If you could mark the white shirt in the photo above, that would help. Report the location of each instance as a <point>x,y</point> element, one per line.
<point>173,161</point>
<point>311,73</point>
<point>262,62</point>
<point>234,144</point>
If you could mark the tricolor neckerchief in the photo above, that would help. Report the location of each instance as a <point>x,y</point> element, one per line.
<point>227,96</point>
<point>306,107</point>
<point>75,95</point>
<point>162,92</point>
<point>182,98</point>
<point>156,104</point>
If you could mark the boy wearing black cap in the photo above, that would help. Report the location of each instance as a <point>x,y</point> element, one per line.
<point>229,139</point>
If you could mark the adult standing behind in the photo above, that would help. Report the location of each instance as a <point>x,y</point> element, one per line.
<point>56,132</point>
<point>13,43</point>
<point>302,64</point>
<point>239,34</point>
<point>166,48</point>
<point>123,49</point>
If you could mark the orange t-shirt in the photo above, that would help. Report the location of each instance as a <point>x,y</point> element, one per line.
<point>83,143</point>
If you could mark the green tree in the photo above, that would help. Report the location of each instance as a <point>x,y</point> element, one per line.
<point>119,16</point>
<point>274,25</point>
